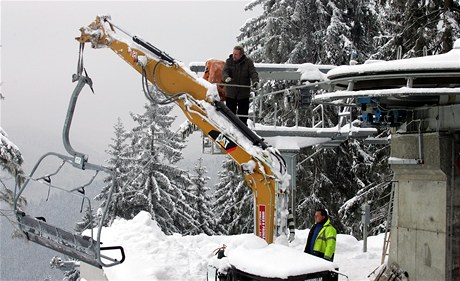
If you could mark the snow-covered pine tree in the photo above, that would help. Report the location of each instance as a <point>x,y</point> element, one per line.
<point>72,275</point>
<point>321,32</point>
<point>10,161</point>
<point>10,156</point>
<point>417,27</point>
<point>156,184</point>
<point>270,38</point>
<point>89,221</point>
<point>119,163</point>
<point>315,31</point>
<point>202,201</point>
<point>373,176</point>
<point>324,182</point>
<point>233,205</point>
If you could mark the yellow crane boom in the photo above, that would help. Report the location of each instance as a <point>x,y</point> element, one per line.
<point>263,166</point>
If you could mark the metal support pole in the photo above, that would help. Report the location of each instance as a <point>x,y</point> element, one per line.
<point>365,220</point>
<point>80,159</point>
<point>276,114</point>
<point>291,162</point>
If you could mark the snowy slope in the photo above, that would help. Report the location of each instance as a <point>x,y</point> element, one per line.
<point>152,255</point>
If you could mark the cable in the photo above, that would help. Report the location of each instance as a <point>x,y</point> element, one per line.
<point>150,94</point>
<point>168,98</point>
<point>282,162</point>
<point>145,88</point>
<point>106,19</point>
<point>232,85</point>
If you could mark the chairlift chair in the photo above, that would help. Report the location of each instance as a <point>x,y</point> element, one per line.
<point>84,248</point>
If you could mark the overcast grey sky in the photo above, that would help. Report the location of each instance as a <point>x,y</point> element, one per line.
<point>39,56</point>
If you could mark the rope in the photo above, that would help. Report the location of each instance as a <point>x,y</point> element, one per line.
<point>232,85</point>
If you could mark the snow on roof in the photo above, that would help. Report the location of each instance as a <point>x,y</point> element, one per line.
<point>312,72</point>
<point>277,261</point>
<point>283,71</point>
<point>386,92</point>
<point>294,143</point>
<point>296,137</point>
<point>299,130</point>
<point>447,61</point>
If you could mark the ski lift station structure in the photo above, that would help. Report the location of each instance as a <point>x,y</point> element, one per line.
<point>419,99</point>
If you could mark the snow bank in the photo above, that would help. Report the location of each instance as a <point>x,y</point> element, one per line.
<point>152,255</point>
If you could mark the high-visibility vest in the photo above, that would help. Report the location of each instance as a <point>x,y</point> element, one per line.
<point>326,240</point>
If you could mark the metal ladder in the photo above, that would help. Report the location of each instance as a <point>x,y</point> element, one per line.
<point>386,239</point>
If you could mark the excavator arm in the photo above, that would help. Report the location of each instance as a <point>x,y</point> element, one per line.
<point>263,166</point>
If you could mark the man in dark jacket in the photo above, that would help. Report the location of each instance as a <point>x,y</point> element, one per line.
<point>238,73</point>
<point>322,237</point>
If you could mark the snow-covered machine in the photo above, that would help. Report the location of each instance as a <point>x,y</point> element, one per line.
<point>253,259</point>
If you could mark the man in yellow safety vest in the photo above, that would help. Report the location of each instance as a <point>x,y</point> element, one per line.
<point>322,237</point>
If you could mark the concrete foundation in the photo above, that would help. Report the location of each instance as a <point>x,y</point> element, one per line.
<point>91,273</point>
<point>426,215</point>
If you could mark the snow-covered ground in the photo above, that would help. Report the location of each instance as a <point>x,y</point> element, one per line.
<point>152,255</point>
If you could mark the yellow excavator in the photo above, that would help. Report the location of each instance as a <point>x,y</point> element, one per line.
<point>263,167</point>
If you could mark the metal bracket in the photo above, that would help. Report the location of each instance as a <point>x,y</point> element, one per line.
<point>401,161</point>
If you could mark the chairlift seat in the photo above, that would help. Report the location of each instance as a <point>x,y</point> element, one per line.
<point>76,246</point>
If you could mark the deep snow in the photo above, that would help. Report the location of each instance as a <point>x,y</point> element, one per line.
<point>152,255</point>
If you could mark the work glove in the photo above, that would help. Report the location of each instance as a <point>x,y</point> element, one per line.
<point>255,85</point>
<point>228,79</point>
